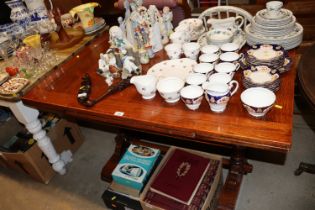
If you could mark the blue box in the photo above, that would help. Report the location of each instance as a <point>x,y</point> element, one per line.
<point>135,166</point>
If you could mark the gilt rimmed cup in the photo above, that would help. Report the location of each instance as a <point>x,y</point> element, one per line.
<point>192,96</point>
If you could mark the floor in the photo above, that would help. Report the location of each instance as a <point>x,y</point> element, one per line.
<point>271,186</point>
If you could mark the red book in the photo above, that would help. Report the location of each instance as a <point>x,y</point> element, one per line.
<point>180,176</point>
<point>199,198</point>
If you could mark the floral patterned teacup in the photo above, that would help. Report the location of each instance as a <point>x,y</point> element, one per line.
<point>191,50</point>
<point>173,50</point>
<point>219,94</point>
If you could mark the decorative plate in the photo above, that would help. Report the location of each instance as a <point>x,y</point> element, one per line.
<point>260,75</point>
<point>173,68</point>
<point>281,68</point>
<point>3,77</point>
<point>265,52</point>
<point>13,86</point>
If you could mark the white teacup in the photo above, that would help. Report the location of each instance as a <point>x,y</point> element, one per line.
<point>173,50</point>
<point>220,78</point>
<point>230,57</point>
<point>219,94</point>
<point>191,50</point>
<point>204,68</point>
<point>230,47</point>
<point>273,8</point>
<point>196,78</point>
<point>209,58</point>
<point>226,67</point>
<point>192,96</point>
<point>210,48</point>
<point>179,37</point>
<point>169,88</point>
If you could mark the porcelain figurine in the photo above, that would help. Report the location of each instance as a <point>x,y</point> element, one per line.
<point>106,63</point>
<point>122,25</point>
<point>118,40</point>
<point>156,38</point>
<point>129,67</point>
<point>129,31</point>
<point>167,19</point>
<point>141,27</point>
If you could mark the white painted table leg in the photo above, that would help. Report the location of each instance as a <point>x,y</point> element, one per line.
<point>29,117</point>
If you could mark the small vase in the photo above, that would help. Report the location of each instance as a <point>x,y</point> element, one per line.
<point>19,13</point>
<point>37,9</point>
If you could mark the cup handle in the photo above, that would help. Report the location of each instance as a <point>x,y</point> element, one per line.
<point>206,96</point>
<point>241,19</point>
<point>235,88</point>
<point>237,66</point>
<point>231,74</point>
<point>241,56</point>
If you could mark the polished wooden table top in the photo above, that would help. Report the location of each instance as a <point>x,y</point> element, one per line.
<point>58,93</point>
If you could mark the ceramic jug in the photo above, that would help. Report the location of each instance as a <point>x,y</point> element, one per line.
<point>218,94</point>
<point>19,13</point>
<point>85,13</point>
<point>232,23</point>
<point>145,85</point>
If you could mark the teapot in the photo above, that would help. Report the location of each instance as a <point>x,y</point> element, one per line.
<point>145,85</point>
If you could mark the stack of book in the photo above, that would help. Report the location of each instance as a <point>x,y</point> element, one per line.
<point>184,181</point>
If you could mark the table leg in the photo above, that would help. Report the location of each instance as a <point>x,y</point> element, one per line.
<point>29,117</point>
<point>238,167</point>
<point>122,142</point>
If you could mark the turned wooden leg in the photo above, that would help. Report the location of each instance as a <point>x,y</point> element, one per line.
<point>238,167</point>
<point>29,117</point>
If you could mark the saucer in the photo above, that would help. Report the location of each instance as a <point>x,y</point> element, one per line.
<point>99,24</point>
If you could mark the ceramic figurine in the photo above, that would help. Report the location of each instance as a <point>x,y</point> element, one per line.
<point>129,67</point>
<point>141,27</point>
<point>167,19</point>
<point>106,64</point>
<point>156,38</point>
<point>117,40</point>
<point>122,25</point>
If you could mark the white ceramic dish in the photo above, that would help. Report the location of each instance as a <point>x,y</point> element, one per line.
<point>177,68</point>
<point>209,49</point>
<point>238,38</point>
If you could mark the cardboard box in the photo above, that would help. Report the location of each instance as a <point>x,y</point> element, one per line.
<point>211,199</point>
<point>64,136</point>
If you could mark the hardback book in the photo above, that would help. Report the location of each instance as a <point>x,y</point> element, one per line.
<point>180,176</point>
<point>124,189</point>
<point>135,166</point>
<point>197,201</point>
